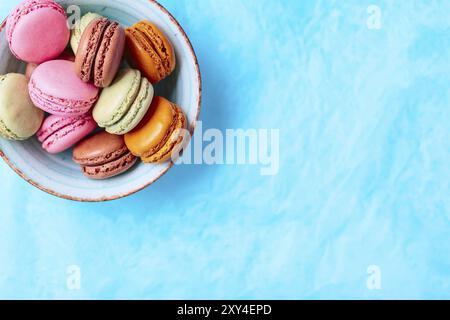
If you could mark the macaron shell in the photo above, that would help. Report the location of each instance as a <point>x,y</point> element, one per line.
<point>116,100</point>
<point>88,48</point>
<point>110,169</point>
<point>57,106</point>
<point>24,8</point>
<point>142,56</point>
<point>38,32</point>
<point>66,55</point>
<point>99,149</point>
<point>77,32</point>
<point>53,124</point>
<point>176,139</point>
<point>103,156</point>
<point>154,130</point>
<point>137,110</point>
<point>6,133</point>
<point>67,136</point>
<point>19,118</point>
<point>56,89</point>
<point>109,56</point>
<point>160,43</point>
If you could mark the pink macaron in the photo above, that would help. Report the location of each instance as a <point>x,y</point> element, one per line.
<point>66,55</point>
<point>55,88</point>
<point>37,31</point>
<point>57,134</point>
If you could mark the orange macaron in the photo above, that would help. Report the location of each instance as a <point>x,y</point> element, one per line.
<point>150,51</point>
<point>159,133</point>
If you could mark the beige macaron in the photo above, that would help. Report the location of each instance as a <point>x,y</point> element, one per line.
<point>19,118</point>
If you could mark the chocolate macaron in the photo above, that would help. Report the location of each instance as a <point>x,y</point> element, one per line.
<point>100,52</point>
<point>103,156</point>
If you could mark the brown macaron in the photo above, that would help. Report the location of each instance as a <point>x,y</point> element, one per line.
<point>103,156</point>
<point>150,51</point>
<point>100,52</point>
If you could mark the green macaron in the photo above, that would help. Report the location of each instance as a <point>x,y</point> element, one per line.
<point>19,118</point>
<point>124,104</point>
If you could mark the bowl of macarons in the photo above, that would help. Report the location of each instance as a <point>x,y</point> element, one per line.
<point>97,98</point>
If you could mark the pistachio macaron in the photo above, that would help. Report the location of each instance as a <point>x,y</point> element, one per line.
<point>19,118</point>
<point>159,133</point>
<point>124,104</point>
<point>150,51</point>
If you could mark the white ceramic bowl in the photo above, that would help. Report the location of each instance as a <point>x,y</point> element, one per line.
<point>59,175</point>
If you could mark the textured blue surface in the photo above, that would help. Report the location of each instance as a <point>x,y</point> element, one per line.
<point>364,178</point>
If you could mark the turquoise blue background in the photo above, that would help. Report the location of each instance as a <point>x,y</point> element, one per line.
<point>364,123</point>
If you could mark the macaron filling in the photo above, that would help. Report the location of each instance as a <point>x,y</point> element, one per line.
<point>166,137</point>
<point>8,133</point>
<point>146,45</point>
<point>94,41</point>
<point>62,122</point>
<point>115,112</point>
<point>3,128</point>
<point>61,129</point>
<point>136,112</point>
<point>172,138</point>
<point>101,55</point>
<point>58,105</point>
<point>126,104</point>
<point>157,43</point>
<point>95,161</point>
<point>110,169</point>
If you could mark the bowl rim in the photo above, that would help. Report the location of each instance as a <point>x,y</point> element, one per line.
<point>192,125</point>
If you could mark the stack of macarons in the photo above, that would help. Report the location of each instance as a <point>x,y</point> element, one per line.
<point>85,99</point>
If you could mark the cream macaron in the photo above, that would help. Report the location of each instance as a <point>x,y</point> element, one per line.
<point>19,118</point>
